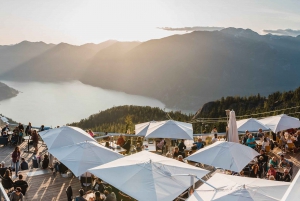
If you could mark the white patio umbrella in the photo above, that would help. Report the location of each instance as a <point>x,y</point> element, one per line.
<point>227,155</point>
<point>235,188</point>
<point>251,125</point>
<point>233,135</point>
<point>82,156</point>
<point>64,136</point>
<point>148,176</point>
<point>292,193</point>
<point>4,119</point>
<point>280,122</point>
<point>170,129</point>
<point>141,129</point>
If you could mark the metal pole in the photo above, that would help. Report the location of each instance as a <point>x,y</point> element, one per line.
<point>196,177</point>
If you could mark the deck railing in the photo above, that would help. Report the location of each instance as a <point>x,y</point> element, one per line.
<point>3,194</point>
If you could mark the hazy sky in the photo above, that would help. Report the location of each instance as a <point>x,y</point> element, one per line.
<point>83,21</point>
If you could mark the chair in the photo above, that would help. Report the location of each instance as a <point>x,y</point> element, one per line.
<point>4,140</point>
<point>291,147</point>
<point>267,149</point>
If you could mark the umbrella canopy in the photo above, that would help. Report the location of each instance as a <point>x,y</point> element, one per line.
<point>292,193</point>
<point>170,129</point>
<point>64,136</point>
<point>251,125</point>
<point>233,135</point>
<point>82,156</point>
<point>280,122</point>
<point>235,188</point>
<point>141,129</point>
<point>148,176</point>
<point>226,155</point>
<point>4,119</point>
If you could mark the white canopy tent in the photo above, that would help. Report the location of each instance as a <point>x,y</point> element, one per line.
<point>251,125</point>
<point>233,135</point>
<point>235,188</point>
<point>64,136</point>
<point>148,176</point>
<point>292,193</point>
<point>82,156</point>
<point>227,155</point>
<point>141,129</point>
<point>280,122</point>
<point>170,129</point>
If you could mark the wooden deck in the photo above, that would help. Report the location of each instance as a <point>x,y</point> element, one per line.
<point>43,185</point>
<point>46,186</point>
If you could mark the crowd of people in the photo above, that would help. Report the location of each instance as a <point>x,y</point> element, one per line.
<point>262,167</point>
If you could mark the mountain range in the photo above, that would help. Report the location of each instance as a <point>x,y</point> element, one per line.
<point>183,71</point>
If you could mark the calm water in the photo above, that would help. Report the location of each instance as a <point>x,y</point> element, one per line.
<point>55,104</point>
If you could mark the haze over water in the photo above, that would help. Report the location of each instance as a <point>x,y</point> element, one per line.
<point>59,103</point>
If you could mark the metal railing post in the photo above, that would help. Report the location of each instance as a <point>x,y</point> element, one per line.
<point>3,194</point>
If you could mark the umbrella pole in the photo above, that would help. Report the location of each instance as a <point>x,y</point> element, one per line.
<point>192,186</point>
<point>192,175</point>
<point>85,181</point>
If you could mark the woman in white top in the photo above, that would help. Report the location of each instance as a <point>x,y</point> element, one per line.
<point>265,143</point>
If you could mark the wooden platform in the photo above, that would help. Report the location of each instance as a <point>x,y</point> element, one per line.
<point>43,186</point>
<point>46,187</point>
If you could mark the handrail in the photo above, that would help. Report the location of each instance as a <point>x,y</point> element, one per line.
<point>3,194</point>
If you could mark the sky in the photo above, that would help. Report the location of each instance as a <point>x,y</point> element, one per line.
<point>94,21</point>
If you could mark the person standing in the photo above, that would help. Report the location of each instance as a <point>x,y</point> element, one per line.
<point>28,129</point>
<point>21,127</point>
<point>35,140</point>
<point>20,138</point>
<point>181,146</point>
<point>15,159</point>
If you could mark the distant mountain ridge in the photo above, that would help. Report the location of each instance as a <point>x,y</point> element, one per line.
<point>183,71</point>
<point>7,92</point>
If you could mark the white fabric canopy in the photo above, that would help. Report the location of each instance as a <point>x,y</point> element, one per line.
<point>170,129</point>
<point>148,176</point>
<point>4,119</point>
<point>82,156</point>
<point>280,122</point>
<point>227,155</point>
<point>64,136</point>
<point>235,188</point>
<point>292,193</point>
<point>141,129</point>
<point>251,125</point>
<point>233,135</point>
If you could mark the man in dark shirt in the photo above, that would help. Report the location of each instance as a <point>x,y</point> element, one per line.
<point>181,146</point>
<point>22,184</point>
<point>24,164</point>
<point>260,134</point>
<point>2,168</point>
<point>285,176</point>
<point>176,152</point>
<point>21,127</point>
<point>263,160</point>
